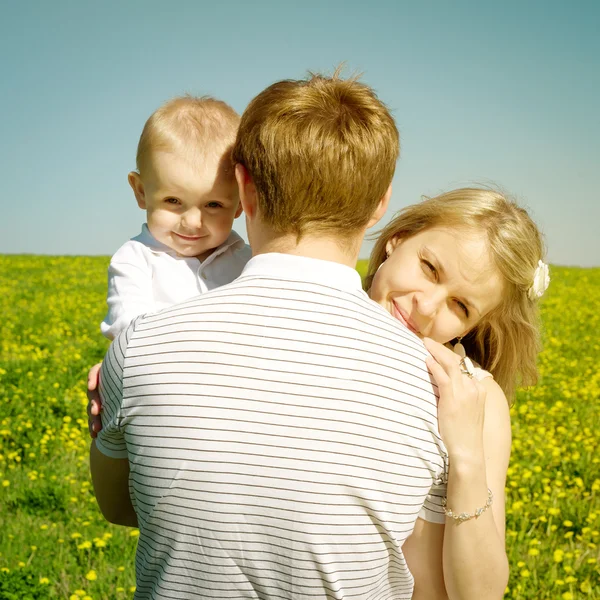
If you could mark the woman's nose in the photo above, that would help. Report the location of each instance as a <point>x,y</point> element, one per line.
<point>427,304</point>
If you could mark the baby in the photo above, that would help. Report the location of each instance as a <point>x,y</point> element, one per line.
<point>185,182</point>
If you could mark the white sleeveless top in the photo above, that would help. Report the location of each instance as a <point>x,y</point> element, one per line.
<point>481,373</point>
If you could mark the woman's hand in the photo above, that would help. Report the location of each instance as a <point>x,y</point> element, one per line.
<point>461,406</point>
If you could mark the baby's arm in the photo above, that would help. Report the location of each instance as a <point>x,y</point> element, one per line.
<point>129,289</point>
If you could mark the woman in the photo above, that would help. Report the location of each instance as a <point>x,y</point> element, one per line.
<point>464,270</point>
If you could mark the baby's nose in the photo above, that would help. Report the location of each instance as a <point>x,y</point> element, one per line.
<point>193,219</point>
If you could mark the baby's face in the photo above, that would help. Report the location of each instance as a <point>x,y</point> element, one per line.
<point>189,209</point>
<point>439,283</point>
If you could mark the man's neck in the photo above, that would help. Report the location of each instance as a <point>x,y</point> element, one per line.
<point>324,248</point>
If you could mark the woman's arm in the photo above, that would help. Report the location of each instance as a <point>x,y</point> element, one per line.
<point>475,426</point>
<point>474,555</point>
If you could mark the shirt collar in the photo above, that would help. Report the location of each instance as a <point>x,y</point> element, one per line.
<point>301,268</point>
<point>152,243</point>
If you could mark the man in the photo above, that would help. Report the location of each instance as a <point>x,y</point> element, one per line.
<point>277,437</point>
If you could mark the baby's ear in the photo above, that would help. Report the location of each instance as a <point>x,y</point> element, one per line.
<point>135,181</point>
<point>392,244</point>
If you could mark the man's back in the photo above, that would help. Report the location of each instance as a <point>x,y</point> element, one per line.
<point>282,439</point>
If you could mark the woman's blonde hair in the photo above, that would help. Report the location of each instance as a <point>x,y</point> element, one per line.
<point>506,340</point>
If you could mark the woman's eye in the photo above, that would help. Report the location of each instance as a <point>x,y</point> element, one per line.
<point>428,266</point>
<point>463,307</point>
<point>171,201</point>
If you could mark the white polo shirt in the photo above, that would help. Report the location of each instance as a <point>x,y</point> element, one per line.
<point>282,439</point>
<point>146,276</point>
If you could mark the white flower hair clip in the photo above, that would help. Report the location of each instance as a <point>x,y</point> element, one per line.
<point>541,281</point>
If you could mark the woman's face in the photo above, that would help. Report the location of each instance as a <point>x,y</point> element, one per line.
<point>438,283</point>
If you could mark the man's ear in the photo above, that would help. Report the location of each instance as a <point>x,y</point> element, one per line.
<point>135,181</point>
<point>247,191</point>
<point>381,208</point>
<point>239,210</point>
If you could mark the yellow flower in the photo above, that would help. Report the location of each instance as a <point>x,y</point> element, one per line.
<point>44,580</point>
<point>134,533</point>
<point>558,556</point>
<point>91,576</point>
<point>5,483</point>
<point>585,587</point>
<point>533,552</point>
<point>525,573</point>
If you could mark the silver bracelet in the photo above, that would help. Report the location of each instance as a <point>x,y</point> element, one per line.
<point>462,517</point>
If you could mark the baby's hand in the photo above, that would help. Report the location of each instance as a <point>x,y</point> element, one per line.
<point>94,407</point>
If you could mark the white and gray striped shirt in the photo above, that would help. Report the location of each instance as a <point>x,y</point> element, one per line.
<point>282,438</point>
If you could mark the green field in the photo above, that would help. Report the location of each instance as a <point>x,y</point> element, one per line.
<point>55,544</point>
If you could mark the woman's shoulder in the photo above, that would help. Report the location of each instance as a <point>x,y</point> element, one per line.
<point>481,374</point>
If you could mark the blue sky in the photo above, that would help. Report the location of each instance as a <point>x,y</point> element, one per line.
<point>503,93</point>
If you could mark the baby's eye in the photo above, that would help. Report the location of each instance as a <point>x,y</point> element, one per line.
<point>214,205</point>
<point>172,201</point>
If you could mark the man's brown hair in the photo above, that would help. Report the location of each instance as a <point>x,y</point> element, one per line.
<point>321,153</point>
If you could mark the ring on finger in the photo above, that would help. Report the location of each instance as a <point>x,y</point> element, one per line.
<point>466,367</point>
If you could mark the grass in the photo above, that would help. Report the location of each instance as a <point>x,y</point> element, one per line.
<point>55,544</point>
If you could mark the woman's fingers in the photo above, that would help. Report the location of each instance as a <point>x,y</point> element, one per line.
<point>439,375</point>
<point>443,355</point>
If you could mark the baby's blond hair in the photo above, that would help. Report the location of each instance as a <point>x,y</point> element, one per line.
<point>506,341</point>
<point>197,128</point>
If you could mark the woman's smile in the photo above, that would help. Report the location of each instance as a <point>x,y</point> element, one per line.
<point>403,317</point>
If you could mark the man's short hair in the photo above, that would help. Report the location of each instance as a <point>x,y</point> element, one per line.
<point>321,152</point>
<point>194,127</point>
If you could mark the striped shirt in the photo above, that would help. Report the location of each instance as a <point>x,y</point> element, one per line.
<point>282,439</point>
